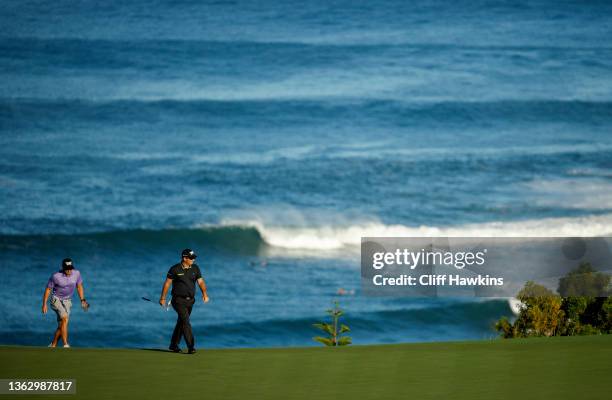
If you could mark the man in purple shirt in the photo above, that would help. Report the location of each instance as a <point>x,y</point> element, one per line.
<point>61,285</point>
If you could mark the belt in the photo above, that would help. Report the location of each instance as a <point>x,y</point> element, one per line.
<point>184,297</point>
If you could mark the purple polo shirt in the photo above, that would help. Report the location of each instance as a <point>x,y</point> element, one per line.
<point>63,285</point>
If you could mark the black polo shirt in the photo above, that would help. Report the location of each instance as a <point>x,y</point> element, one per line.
<point>184,279</point>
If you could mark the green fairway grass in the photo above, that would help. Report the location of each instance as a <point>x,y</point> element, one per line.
<point>542,368</point>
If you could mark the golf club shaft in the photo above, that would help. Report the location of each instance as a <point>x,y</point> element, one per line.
<point>167,307</point>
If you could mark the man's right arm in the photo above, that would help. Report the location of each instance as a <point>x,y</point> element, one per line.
<point>162,299</point>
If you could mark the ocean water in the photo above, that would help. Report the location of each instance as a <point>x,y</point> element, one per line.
<point>270,137</point>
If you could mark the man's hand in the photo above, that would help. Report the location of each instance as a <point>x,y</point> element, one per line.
<point>162,302</point>
<point>85,305</point>
<point>44,308</point>
<point>205,298</point>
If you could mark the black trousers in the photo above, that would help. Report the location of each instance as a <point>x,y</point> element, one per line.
<point>183,307</point>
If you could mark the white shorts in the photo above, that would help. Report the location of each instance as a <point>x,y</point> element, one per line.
<point>61,307</point>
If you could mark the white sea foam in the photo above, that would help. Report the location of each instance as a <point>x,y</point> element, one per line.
<point>331,238</point>
<point>578,193</point>
<point>591,172</point>
<point>366,150</point>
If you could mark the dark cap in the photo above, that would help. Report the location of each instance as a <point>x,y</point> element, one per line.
<point>189,254</point>
<point>67,264</point>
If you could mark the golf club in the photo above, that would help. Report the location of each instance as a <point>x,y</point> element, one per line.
<point>151,301</point>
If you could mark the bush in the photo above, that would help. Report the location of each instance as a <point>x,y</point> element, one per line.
<point>541,312</point>
<point>584,281</point>
<point>573,308</point>
<point>334,330</point>
<point>545,313</point>
<point>588,329</point>
<point>506,328</point>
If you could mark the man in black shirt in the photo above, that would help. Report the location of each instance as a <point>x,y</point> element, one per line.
<point>183,277</point>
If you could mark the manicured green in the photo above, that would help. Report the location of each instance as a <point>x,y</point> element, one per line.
<point>535,368</point>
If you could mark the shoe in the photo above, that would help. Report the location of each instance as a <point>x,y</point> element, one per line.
<point>51,345</point>
<point>66,346</point>
<point>191,351</point>
<point>174,349</point>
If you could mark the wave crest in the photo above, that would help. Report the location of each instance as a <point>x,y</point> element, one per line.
<point>254,237</point>
<point>329,237</point>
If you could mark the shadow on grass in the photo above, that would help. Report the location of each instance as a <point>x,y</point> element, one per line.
<point>166,351</point>
<point>160,350</point>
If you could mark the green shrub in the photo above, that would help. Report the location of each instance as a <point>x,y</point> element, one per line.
<point>544,313</point>
<point>335,330</point>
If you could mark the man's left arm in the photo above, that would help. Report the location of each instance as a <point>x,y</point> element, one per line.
<point>81,293</point>
<point>202,286</point>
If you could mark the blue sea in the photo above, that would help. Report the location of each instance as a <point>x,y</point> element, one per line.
<point>270,137</point>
